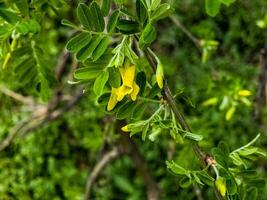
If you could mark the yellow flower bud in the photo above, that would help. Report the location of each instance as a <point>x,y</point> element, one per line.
<point>160,75</point>
<point>125,129</point>
<point>220,184</point>
<point>229,114</point>
<point>244,93</point>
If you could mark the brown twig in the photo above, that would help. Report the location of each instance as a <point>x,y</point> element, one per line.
<point>52,116</point>
<point>13,133</point>
<point>177,22</point>
<point>261,98</point>
<point>202,156</point>
<point>103,162</point>
<point>39,119</point>
<point>26,100</point>
<point>153,192</point>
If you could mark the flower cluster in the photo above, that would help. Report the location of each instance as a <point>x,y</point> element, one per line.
<point>128,87</point>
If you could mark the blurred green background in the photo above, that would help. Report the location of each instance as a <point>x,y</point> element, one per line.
<point>53,162</point>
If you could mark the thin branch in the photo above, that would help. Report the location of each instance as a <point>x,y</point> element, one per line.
<point>153,192</point>
<point>247,145</point>
<point>16,96</point>
<point>205,159</point>
<point>198,192</point>
<point>195,40</point>
<point>261,98</point>
<point>38,120</point>
<point>53,115</point>
<point>103,162</point>
<point>13,133</point>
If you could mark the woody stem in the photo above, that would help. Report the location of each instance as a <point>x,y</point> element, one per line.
<point>167,95</point>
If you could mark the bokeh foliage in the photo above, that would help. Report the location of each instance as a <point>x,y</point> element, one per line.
<point>53,162</point>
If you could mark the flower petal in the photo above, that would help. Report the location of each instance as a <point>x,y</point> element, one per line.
<point>113,99</point>
<point>128,77</point>
<point>135,91</point>
<point>122,92</point>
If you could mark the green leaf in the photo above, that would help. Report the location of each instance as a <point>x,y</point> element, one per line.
<point>185,182</point>
<point>139,111</point>
<point>248,151</point>
<point>155,4</point>
<point>100,49</point>
<point>9,16</point>
<point>100,82</point>
<point>79,41</point>
<point>175,168</point>
<point>103,99</point>
<point>126,110</point>
<point>87,51</point>
<point>149,34</point>
<point>161,12</point>
<point>84,16</point>
<point>68,23</point>
<point>193,136</point>
<point>227,2</point>
<point>197,179</point>
<point>141,11</point>
<point>112,23</point>
<point>231,186</point>
<point>100,63</point>
<point>236,159</point>
<point>224,148</point>
<point>205,178</point>
<point>137,126</point>
<point>128,26</point>
<point>114,77</point>
<point>212,7</point>
<point>30,26</point>
<point>144,132</point>
<point>33,70</point>
<point>251,194</point>
<point>259,183</point>
<point>86,73</point>
<point>97,17</point>
<point>220,157</point>
<point>105,7</point>
<point>23,6</point>
<point>141,81</point>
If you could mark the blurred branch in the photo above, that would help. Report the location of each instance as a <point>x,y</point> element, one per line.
<point>38,119</point>
<point>52,116</point>
<point>16,96</point>
<point>153,192</point>
<point>126,146</point>
<point>261,98</point>
<point>177,22</point>
<point>198,192</point>
<point>104,161</point>
<point>7,141</point>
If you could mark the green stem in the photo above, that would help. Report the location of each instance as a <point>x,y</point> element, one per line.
<point>179,116</point>
<point>247,145</point>
<point>149,100</point>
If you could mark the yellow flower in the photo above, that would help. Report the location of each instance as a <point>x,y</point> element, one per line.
<point>244,93</point>
<point>229,114</point>
<point>125,128</point>
<point>128,87</point>
<point>160,75</point>
<point>220,184</point>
